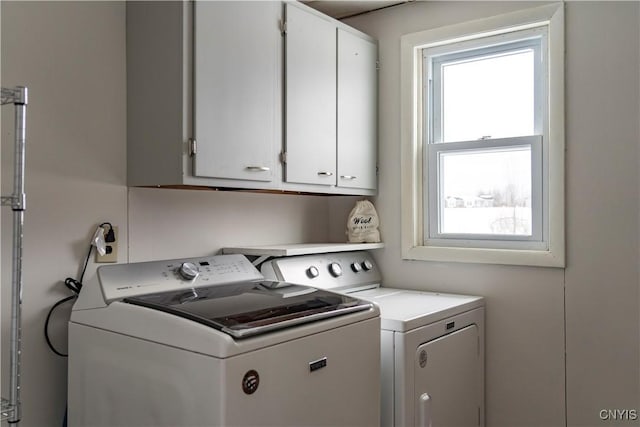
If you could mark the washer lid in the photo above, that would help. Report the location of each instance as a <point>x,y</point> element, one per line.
<point>252,308</point>
<point>402,310</point>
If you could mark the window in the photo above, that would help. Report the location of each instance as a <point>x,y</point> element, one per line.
<point>483,141</point>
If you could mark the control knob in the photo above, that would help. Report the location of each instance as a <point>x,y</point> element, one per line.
<point>312,272</point>
<point>356,267</point>
<point>335,269</point>
<point>188,271</point>
<point>367,265</point>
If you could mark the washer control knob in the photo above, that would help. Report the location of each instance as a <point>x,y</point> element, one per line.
<point>188,271</point>
<point>313,272</point>
<point>335,269</point>
<point>356,267</point>
<point>367,265</point>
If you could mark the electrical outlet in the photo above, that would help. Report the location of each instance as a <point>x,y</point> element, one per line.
<point>112,249</point>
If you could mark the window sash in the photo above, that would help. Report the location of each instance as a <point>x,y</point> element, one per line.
<point>435,57</point>
<point>433,186</point>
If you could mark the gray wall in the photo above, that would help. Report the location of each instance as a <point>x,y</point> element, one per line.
<point>1,317</point>
<point>535,314</point>
<point>71,55</point>
<point>180,223</point>
<point>602,224</point>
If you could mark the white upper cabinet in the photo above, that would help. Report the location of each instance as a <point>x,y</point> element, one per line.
<point>222,94</point>
<point>237,73</point>
<point>330,103</point>
<point>310,100</point>
<point>357,111</point>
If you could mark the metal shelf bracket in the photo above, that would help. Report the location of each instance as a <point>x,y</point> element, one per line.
<point>16,95</point>
<point>6,411</point>
<point>17,203</point>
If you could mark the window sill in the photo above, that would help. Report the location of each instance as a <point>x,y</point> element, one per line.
<point>535,258</point>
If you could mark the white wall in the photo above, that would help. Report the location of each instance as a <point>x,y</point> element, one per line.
<point>71,55</point>
<point>602,229</point>
<point>182,223</point>
<point>526,311</point>
<point>1,317</point>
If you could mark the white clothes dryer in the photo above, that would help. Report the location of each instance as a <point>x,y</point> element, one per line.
<point>432,344</point>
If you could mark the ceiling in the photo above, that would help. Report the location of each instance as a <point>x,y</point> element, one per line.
<point>345,8</point>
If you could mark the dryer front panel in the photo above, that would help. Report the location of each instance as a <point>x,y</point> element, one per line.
<point>448,382</point>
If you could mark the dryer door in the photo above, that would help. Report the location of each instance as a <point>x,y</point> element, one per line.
<point>448,380</point>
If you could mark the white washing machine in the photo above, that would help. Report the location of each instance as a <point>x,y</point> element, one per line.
<point>209,342</point>
<point>432,344</point>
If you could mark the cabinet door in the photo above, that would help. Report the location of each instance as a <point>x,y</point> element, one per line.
<point>310,139</point>
<point>357,111</point>
<point>448,385</point>
<point>237,73</point>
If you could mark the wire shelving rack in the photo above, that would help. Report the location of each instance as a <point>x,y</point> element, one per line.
<point>10,408</point>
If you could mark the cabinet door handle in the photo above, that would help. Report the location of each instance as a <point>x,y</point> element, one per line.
<point>257,168</point>
<point>325,173</point>
<point>348,177</point>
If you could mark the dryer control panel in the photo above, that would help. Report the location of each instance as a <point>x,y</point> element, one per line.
<point>341,271</point>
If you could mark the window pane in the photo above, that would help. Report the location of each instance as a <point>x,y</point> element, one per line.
<point>491,96</point>
<point>486,191</point>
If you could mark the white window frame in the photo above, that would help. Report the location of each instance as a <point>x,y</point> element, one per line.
<point>419,159</point>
